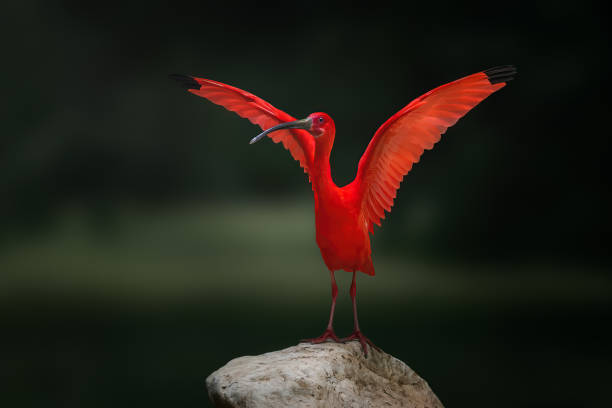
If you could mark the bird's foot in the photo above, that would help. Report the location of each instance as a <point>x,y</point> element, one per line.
<point>358,335</point>
<point>328,334</point>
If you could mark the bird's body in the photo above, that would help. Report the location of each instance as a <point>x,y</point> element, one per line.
<point>342,235</point>
<point>345,216</point>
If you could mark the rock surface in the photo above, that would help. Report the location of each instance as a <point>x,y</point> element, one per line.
<point>321,375</point>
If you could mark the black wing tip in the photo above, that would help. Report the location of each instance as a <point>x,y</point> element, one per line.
<point>186,81</point>
<point>503,73</point>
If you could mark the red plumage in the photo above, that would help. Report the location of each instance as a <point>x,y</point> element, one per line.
<point>344,216</point>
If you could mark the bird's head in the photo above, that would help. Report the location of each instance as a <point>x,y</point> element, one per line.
<point>320,125</point>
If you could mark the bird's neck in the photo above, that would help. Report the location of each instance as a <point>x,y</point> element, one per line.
<point>322,178</point>
<point>322,174</point>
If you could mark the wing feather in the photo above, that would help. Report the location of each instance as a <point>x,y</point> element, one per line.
<point>401,140</point>
<point>259,112</point>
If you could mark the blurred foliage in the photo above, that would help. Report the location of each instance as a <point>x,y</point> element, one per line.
<point>151,255</point>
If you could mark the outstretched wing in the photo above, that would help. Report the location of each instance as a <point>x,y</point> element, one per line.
<point>299,142</point>
<point>401,140</point>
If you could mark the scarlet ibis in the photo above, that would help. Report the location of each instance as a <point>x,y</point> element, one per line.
<point>345,216</point>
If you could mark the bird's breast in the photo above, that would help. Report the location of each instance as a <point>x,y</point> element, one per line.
<point>343,241</point>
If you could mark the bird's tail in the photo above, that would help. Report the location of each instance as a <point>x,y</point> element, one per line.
<point>368,268</point>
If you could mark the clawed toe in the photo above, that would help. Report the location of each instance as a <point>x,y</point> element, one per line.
<point>327,335</point>
<point>358,335</point>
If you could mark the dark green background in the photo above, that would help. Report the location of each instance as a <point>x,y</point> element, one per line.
<point>144,243</point>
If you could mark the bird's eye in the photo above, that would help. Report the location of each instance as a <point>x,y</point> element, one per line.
<point>321,119</point>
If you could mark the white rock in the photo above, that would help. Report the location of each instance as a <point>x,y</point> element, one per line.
<point>321,375</point>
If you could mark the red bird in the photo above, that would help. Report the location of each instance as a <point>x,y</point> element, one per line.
<point>345,216</point>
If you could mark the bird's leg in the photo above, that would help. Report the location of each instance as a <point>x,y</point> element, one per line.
<point>329,331</point>
<point>357,334</point>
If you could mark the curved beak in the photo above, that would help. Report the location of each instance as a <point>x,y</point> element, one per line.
<point>305,124</point>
